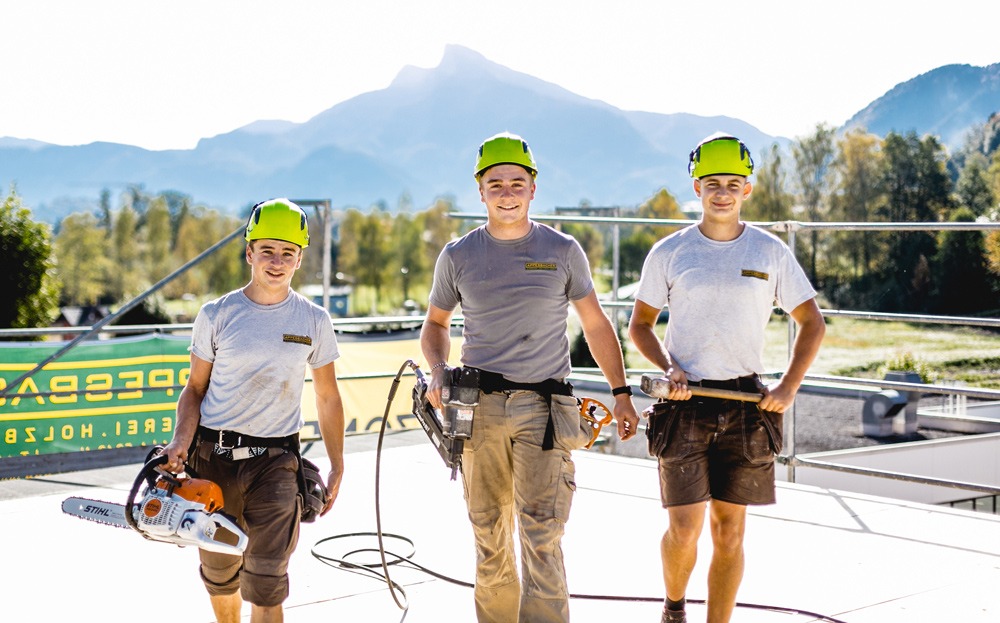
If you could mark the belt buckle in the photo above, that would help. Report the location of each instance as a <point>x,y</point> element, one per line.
<point>222,441</point>
<point>240,453</point>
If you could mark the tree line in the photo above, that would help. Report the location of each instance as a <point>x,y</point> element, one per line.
<point>113,253</point>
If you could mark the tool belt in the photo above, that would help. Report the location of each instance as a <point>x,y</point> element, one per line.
<point>749,383</point>
<point>235,446</point>
<point>227,439</point>
<point>490,382</point>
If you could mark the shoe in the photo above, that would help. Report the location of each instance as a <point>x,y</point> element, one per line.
<point>673,616</point>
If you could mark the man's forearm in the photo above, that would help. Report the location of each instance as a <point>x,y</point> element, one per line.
<point>435,343</point>
<point>607,351</point>
<point>330,414</point>
<point>650,346</point>
<point>188,416</point>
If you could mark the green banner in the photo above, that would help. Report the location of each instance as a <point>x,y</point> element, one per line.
<point>112,393</point>
<point>123,392</point>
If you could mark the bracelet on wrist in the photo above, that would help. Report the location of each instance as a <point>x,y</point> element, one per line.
<point>439,364</point>
<point>624,389</point>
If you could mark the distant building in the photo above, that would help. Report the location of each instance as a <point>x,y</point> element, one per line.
<point>340,297</point>
<point>85,316</point>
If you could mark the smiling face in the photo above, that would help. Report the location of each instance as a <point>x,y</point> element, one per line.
<point>722,196</point>
<point>507,190</point>
<point>272,265</point>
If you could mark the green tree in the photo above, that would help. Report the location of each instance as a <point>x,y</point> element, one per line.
<point>973,188</point>
<point>198,229</point>
<point>769,201</point>
<point>158,236</point>
<point>104,210</point>
<point>193,237</point>
<point>178,205</point>
<point>408,263</point>
<point>350,230</point>
<point>992,251</point>
<point>364,250</point>
<point>31,291</point>
<point>137,197</point>
<point>374,243</point>
<point>82,259</point>
<point>993,178</point>
<point>919,190</point>
<point>638,240</point>
<point>438,228</point>
<point>813,156</point>
<point>857,198</point>
<point>226,269</point>
<point>591,240</point>
<point>125,281</point>
<point>962,280</point>
<point>632,252</point>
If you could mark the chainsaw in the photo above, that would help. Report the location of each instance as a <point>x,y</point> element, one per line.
<point>174,509</point>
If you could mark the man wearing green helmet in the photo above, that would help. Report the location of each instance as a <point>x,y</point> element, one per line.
<point>515,280</point>
<point>720,280</point>
<point>239,415</point>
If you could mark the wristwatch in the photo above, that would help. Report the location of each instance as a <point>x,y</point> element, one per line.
<point>624,389</point>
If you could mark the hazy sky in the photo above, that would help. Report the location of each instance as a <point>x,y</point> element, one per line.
<point>162,75</point>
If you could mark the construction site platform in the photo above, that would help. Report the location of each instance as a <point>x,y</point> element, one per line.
<point>848,557</point>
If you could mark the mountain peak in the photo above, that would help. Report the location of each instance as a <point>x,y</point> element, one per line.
<point>456,60</point>
<point>944,101</point>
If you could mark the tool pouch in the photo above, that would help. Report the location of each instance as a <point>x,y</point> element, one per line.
<point>661,426</point>
<point>312,490</point>
<point>774,424</point>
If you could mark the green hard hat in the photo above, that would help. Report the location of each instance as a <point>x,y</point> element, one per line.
<point>720,154</point>
<point>278,219</point>
<point>505,148</point>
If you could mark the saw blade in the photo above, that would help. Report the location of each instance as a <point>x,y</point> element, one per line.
<point>107,513</point>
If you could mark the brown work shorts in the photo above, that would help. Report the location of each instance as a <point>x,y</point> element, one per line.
<point>714,449</point>
<point>261,494</point>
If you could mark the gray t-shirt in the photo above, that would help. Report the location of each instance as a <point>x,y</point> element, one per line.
<point>720,296</point>
<point>259,355</point>
<point>514,296</point>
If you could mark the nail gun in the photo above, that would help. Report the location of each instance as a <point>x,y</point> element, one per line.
<point>450,427</point>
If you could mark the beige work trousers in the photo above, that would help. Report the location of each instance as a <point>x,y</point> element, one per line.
<point>506,473</point>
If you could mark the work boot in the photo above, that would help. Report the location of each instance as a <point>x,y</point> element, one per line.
<point>673,616</point>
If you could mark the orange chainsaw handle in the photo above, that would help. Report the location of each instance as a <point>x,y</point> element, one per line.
<point>588,408</point>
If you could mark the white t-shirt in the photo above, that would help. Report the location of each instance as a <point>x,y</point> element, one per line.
<point>720,296</point>
<point>259,355</point>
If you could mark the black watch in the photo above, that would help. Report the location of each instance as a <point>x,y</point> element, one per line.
<point>624,389</point>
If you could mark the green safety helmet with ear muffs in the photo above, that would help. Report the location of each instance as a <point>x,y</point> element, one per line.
<point>720,154</point>
<point>278,219</point>
<point>505,148</point>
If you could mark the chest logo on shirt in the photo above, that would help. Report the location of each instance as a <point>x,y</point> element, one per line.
<point>298,339</point>
<point>539,266</point>
<point>756,274</point>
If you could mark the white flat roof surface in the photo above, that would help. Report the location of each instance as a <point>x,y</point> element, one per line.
<point>855,558</point>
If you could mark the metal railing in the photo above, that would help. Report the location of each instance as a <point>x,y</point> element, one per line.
<point>790,228</point>
<point>615,305</point>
